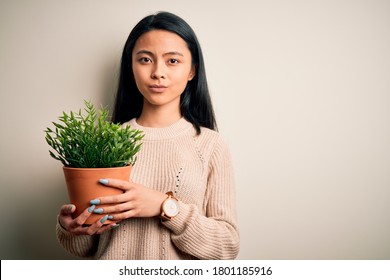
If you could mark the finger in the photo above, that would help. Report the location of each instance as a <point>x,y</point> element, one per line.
<point>133,213</point>
<point>80,220</point>
<point>96,226</point>
<point>67,209</point>
<point>113,199</point>
<point>116,183</point>
<point>117,208</point>
<point>65,216</point>
<point>107,227</point>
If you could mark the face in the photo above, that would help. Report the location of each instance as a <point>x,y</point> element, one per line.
<point>162,67</point>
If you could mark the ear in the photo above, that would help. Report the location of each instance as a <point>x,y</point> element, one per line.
<point>192,73</point>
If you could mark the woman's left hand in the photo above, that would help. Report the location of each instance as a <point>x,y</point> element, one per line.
<point>136,201</point>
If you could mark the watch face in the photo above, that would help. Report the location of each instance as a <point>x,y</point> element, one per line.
<point>171,207</point>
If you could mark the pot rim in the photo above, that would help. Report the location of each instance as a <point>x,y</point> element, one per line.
<point>95,168</point>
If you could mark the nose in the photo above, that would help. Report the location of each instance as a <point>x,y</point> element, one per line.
<point>158,72</point>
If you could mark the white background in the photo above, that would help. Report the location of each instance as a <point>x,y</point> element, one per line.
<point>301,91</point>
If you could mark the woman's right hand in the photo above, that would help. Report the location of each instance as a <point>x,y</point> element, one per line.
<point>75,225</point>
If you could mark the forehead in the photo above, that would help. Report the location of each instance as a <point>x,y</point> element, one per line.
<point>161,41</point>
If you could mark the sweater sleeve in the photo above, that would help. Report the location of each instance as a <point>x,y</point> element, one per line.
<point>213,235</point>
<point>83,246</point>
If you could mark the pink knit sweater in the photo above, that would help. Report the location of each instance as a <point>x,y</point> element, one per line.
<point>198,169</point>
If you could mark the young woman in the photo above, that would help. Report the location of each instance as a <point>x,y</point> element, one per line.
<point>180,201</point>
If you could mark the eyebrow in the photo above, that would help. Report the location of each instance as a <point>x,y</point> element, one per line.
<point>165,54</point>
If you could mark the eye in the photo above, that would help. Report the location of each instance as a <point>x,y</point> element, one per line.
<point>173,61</point>
<point>145,60</point>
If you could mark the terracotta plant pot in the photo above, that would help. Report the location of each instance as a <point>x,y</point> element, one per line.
<point>83,185</point>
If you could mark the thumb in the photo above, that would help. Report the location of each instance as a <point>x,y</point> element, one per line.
<point>67,209</point>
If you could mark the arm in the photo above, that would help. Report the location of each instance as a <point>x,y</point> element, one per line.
<point>215,235</point>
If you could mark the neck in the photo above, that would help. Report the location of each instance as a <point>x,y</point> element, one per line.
<point>156,116</point>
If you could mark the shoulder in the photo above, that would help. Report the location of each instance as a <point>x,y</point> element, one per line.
<point>209,136</point>
<point>212,141</point>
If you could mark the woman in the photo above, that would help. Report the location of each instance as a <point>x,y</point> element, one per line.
<point>180,201</point>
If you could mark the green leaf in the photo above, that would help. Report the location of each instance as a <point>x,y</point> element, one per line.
<point>87,138</point>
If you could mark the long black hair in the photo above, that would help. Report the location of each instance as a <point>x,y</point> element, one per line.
<point>195,101</point>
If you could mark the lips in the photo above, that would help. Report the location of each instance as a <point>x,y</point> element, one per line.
<point>158,88</point>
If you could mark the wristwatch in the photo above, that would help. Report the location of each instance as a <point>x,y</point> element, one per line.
<point>170,207</point>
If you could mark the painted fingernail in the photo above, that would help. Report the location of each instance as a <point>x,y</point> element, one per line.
<point>95,201</point>
<point>98,211</point>
<point>104,219</point>
<point>110,217</point>
<point>115,225</point>
<point>70,207</point>
<point>90,209</point>
<point>103,181</point>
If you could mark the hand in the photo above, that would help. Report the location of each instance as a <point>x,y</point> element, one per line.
<point>75,226</point>
<point>136,201</point>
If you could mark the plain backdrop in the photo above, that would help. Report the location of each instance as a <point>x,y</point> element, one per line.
<point>301,91</point>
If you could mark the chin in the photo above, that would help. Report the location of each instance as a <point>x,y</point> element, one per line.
<point>161,101</point>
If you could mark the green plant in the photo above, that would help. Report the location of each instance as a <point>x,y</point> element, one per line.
<point>89,140</point>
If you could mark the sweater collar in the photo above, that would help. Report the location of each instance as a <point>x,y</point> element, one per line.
<point>153,133</point>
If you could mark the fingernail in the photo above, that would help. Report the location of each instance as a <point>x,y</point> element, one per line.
<point>90,209</point>
<point>95,201</point>
<point>70,207</point>
<point>98,211</point>
<point>110,217</point>
<point>103,181</point>
<point>115,225</point>
<point>104,219</point>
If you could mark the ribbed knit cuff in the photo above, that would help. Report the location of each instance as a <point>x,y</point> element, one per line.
<point>62,232</point>
<point>78,245</point>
